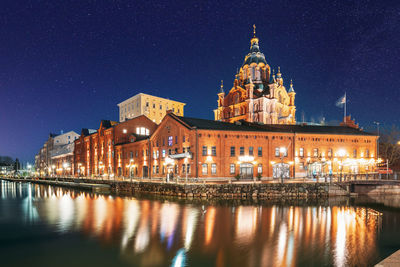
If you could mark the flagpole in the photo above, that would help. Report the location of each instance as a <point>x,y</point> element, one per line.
<point>345,103</point>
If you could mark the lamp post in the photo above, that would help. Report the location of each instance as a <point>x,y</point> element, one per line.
<point>341,154</point>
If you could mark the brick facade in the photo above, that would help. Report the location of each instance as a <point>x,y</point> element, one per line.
<point>202,148</point>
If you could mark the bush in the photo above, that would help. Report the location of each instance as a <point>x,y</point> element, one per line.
<point>237,176</point>
<point>259,176</point>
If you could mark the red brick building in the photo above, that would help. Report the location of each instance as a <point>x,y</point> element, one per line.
<point>190,147</point>
<point>98,153</point>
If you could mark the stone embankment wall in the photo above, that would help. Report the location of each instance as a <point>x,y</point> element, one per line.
<point>209,191</point>
<point>371,190</point>
<point>231,191</point>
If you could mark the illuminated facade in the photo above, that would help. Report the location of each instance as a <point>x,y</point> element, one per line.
<point>257,94</point>
<point>153,107</point>
<point>98,153</point>
<point>56,155</point>
<point>190,148</point>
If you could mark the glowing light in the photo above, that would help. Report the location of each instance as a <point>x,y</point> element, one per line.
<point>341,153</point>
<point>180,259</point>
<point>246,158</point>
<point>282,150</point>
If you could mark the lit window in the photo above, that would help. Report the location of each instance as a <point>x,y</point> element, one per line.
<point>142,131</point>
<point>137,130</point>
<point>277,151</point>
<point>204,150</point>
<point>204,169</point>
<point>170,140</point>
<point>330,152</point>
<point>213,168</point>
<point>315,152</point>
<point>301,152</point>
<point>232,168</point>
<point>259,168</point>
<point>163,153</point>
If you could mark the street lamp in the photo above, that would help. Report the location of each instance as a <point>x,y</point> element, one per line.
<point>341,154</point>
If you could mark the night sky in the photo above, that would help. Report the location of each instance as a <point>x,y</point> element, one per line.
<point>65,65</point>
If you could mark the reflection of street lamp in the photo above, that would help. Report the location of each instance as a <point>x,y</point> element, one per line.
<point>341,154</point>
<point>282,151</point>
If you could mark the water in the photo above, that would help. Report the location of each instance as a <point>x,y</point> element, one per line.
<point>51,226</point>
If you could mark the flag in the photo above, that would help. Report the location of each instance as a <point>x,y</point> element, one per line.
<point>341,101</point>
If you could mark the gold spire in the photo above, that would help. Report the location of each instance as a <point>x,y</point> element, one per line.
<point>254,39</point>
<point>291,82</point>
<point>222,84</point>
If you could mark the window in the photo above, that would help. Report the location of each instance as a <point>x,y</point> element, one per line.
<point>367,153</point>
<point>170,140</point>
<point>259,168</point>
<point>154,169</point>
<point>183,168</point>
<point>213,168</point>
<point>188,168</point>
<point>154,105</point>
<point>176,140</point>
<point>184,139</point>
<point>301,152</point>
<point>315,152</point>
<point>259,153</point>
<point>204,150</point>
<point>157,169</point>
<point>233,151</point>
<point>232,168</point>
<point>214,150</point>
<point>277,152</point>
<point>147,104</point>
<point>355,153</point>
<point>251,151</point>
<point>242,151</point>
<point>204,169</point>
<point>157,154</point>
<point>160,107</point>
<point>163,153</point>
<point>329,152</point>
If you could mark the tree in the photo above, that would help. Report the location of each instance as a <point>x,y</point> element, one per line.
<point>389,147</point>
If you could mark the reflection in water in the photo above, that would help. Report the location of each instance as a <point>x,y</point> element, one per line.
<point>153,233</point>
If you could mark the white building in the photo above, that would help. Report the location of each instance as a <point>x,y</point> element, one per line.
<point>153,107</point>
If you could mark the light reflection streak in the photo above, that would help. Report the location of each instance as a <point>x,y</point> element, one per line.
<point>155,230</point>
<point>190,225</point>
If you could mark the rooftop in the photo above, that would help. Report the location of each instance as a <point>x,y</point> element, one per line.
<point>255,127</point>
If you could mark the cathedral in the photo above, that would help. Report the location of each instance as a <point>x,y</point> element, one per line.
<point>257,94</point>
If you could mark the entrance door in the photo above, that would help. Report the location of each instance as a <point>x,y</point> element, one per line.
<point>145,171</point>
<point>246,170</point>
<point>280,170</point>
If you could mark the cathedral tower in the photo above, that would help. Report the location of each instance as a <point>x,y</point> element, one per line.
<point>256,95</point>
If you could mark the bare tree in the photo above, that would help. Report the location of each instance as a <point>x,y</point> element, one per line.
<point>389,147</point>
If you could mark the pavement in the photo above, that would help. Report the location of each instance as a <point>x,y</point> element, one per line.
<point>391,261</point>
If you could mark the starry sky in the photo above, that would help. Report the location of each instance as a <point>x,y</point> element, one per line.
<point>65,65</point>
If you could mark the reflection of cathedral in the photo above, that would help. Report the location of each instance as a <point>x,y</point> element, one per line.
<point>257,95</point>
